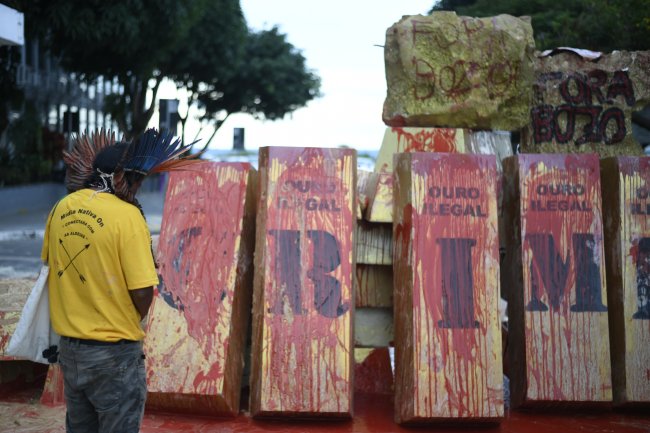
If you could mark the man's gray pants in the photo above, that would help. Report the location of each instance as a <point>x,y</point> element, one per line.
<point>105,386</point>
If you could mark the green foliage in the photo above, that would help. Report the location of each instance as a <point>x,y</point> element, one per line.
<point>11,96</point>
<point>96,37</point>
<point>599,25</point>
<point>213,48</point>
<point>24,160</point>
<point>271,82</point>
<point>130,41</point>
<point>203,45</point>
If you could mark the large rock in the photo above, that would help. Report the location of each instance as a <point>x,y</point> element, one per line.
<point>446,70</point>
<point>583,102</point>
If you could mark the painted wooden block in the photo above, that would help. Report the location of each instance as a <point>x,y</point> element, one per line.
<point>459,71</point>
<point>374,286</point>
<point>446,263</point>
<point>380,200</point>
<point>302,348</point>
<point>53,393</point>
<point>380,204</point>
<point>554,281</point>
<point>490,143</point>
<point>372,371</point>
<point>8,323</point>
<point>198,321</point>
<point>366,185</point>
<point>374,243</point>
<point>418,139</point>
<point>626,213</point>
<point>13,295</point>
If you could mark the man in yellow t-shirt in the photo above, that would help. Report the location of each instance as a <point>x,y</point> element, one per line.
<point>102,274</point>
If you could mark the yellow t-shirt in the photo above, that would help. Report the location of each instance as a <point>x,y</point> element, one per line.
<point>98,247</point>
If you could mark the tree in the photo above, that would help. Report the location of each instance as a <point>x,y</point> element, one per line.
<point>12,96</point>
<point>200,44</point>
<point>214,51</point>
<point>604,25</point>
<point>124,40</point>
<point>272,82</point>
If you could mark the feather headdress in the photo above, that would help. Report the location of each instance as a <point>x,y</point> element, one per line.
<point>156,152</point>
<point>79,160</point>
<point>153,152</point>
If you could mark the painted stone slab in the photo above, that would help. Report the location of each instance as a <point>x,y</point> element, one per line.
<point>374,286</point>
<point>302,350</point>
<point>198,321</point>
<point>446,263</point>
<point>582,105</point>
<point>374,243</point>
<point>418,139</point>
<point>554,281</point>
<point>626,213</point>
<point>461,72</point>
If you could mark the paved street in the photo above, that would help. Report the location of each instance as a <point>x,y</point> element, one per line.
<point>21,237</point>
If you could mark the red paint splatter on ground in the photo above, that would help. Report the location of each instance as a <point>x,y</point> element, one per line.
<point>373,414</point>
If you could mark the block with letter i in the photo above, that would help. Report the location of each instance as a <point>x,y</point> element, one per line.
<point>302,350</point>
<point>198,322</point>
<point>626,214</point>
<point>448,363</point>
<point>554,281</point>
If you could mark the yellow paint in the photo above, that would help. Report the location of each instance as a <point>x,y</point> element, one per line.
<point>168,334</point>
<point>392,144</point>
<point>374,286</point>
<point>450,383</point>
<point>374,244</point>
<point>380,207</point>
<point>181,363</point>
<point>561,368</point>
<point>637,332</point>
<point>316,376</point>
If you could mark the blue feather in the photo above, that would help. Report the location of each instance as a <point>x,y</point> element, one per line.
<point>153,149</point>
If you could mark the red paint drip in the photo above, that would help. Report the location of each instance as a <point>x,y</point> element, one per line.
<point>426,140</point>
<point>197,255</point>
<point>304,345</point>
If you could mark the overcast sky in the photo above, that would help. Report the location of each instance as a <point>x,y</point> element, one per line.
<point>342,41</point>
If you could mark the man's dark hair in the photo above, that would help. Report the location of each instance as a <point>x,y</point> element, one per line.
<point>108,160</point>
